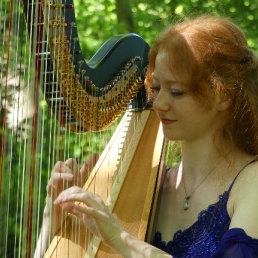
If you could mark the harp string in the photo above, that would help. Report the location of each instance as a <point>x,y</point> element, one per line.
<point>3,145</point>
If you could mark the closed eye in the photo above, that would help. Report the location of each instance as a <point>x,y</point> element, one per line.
<point>177,93</point>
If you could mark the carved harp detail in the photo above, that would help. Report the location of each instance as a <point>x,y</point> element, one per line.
<point>84,96</point>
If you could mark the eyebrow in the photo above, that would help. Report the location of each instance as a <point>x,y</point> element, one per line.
<point>167,81</point>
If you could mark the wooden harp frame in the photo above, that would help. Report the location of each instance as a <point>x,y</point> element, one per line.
<point>133,186</point>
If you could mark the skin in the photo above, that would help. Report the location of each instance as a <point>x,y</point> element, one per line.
<point>185,120</point>
<point>64,175</point>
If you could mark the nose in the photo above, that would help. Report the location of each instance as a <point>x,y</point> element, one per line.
<point>160,103</point>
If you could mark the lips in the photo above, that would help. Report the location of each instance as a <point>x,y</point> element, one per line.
<point>167,121</point>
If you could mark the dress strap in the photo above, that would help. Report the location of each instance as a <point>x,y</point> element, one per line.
<point>167,169</point>
<point>230,187</point>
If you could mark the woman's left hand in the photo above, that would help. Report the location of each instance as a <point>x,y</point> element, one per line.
<point>92,211</point>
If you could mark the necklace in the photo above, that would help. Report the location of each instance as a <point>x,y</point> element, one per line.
<point>186,204</point>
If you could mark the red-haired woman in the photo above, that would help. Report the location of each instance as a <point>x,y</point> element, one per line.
<point>203,81</point>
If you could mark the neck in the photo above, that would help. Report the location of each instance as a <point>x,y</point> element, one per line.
<point>202,162</point>
<point>199,157</point>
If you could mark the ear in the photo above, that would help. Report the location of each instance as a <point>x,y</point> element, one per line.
<point>223,101</point>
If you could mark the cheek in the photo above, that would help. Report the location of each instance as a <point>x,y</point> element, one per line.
<point>185,110</point>
<point>193,115</point>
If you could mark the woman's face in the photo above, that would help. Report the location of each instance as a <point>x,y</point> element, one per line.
<point>182,116</point>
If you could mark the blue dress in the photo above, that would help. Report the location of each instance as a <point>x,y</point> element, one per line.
<point>210,236</point>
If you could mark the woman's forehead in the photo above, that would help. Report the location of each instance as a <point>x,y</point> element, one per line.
<point>167,69</point>
<point>163,62</point>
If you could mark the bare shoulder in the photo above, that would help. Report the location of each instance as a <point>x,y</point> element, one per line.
<point>244,195</point>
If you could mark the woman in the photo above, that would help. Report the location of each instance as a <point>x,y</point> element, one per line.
<point>203,81</point>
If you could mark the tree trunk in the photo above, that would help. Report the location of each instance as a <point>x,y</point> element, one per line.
<point>124,14</point>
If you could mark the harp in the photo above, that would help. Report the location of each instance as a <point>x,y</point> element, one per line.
<point>49,66</point>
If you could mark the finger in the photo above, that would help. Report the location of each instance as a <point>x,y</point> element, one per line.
<point>72,165</point>
<point>86,168</point>
<point>57,177</point>
<point>81,211</point>
<point>70,207</point>
<point>74,209</point>
<point>88,165</point>
<point>58,181</point>
<point>61,167</point>
<point>76,194</point>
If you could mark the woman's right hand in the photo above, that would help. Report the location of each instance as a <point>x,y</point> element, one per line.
<point>64,175</point>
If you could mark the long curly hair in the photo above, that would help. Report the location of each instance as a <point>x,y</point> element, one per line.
<point>213,56</point>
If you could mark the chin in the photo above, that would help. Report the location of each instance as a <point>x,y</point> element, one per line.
<point>172,136</point>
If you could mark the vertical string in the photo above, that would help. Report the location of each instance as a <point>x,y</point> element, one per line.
<point>34,132</point>
<point>72,140</point>
<point>24,167</point>
<point>5,89</point>
<point>55,132</point>
<point>20,112</point>
<point>3,146</point>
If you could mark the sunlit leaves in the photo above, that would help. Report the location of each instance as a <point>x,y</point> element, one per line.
<point>97,19</point>
<point>96,22</point>
<point>179,9</point>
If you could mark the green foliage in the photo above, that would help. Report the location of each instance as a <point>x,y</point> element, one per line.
<point>153,16</point>
<point>97,21</point>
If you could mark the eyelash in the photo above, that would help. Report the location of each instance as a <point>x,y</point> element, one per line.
<point>175,93</point>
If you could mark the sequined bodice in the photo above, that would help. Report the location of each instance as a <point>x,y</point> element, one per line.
<point>203,236</point>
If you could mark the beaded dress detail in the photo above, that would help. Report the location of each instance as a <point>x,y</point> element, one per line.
<point>202,238</point>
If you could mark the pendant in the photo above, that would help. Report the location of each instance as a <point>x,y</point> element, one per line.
<point>186,203</point>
